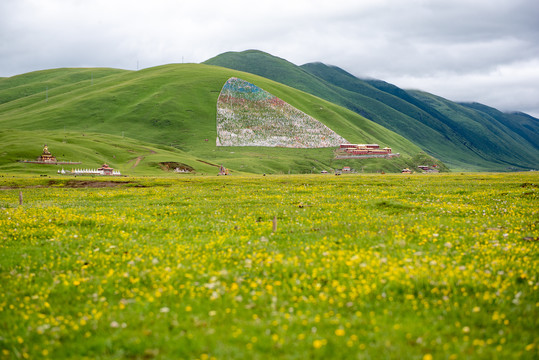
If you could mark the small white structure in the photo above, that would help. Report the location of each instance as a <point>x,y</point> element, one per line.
<point>179,170</point>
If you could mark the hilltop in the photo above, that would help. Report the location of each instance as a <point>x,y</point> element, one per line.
<point>166,114</point>
<point>465,136</point>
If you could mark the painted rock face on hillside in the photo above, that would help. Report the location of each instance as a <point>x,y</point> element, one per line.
<point>250,116</point>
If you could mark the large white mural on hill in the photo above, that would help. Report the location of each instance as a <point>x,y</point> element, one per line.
<point>250,116</point>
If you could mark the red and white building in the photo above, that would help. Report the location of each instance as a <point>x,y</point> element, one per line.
<point>363,150</point>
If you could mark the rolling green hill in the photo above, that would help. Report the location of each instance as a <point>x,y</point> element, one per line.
<point>522,124</point>
<point>129,156</point>
<point>165,114</point>
<point>487,137</point>
<point>464,136</point>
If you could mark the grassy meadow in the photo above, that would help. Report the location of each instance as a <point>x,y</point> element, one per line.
<point>256,267</point>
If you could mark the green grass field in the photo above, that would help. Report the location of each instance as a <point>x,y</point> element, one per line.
<point>256,267</point>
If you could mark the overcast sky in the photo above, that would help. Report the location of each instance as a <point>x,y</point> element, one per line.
<point>465,50</point>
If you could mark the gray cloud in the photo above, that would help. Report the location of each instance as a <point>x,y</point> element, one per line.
<point>484,51</point>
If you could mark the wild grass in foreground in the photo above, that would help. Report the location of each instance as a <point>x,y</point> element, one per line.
<point>368,267</point>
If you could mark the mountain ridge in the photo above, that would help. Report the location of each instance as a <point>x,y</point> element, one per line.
<point>444,129</point>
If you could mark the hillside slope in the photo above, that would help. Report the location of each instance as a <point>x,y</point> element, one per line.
<point>506,139</point>
<point>129,156</point>
<point>485,135</point>
<point>174,107</point>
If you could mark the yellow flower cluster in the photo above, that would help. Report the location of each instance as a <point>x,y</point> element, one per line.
<point>440,266</point>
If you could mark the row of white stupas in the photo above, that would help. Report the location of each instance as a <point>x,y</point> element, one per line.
<point>104,170</point>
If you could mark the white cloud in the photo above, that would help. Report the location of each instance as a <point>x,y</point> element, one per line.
<point>484,50</point>
<point>512,87</point>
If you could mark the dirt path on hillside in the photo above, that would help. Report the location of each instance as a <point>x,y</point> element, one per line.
<point>140,158</point>
<point>205,162</point>
<point>137,161</point>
